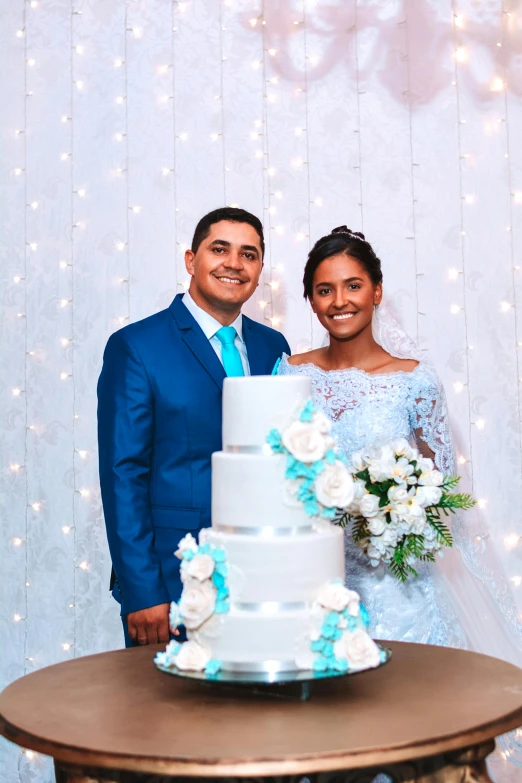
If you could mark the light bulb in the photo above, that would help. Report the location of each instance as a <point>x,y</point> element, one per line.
<point>459,21</point>
<point>461,55</point>
<point>137,32</point>
<point>65,118</point>
<point>272,52</point>
<point>84,493</point>
<point>279,230</point>
<point>17,279</point>
<point>497,84</point>
<point>118,62</point>
<point>511,541</point>
<point>64,376</point>
<point>31,62</point>
<point>300,236</point>
<point>274,285</point>
<point>165,171</point>
<point>120,99</point>
<point>80,49</point>
<point>17,618</point>
<point>469,199</point>
<point>278,194</point>
<point>455,309</point>
<point>17,392</point>
<point>162,69</point>
<point>505,307</point>
<point>136,209</point>
<point>214,136</point>
<point>453,273</point>
<point>183,136</point>
<point>79,84</point>
<point>120,246</point>
<point>81,192</point>
<point>482,503</point>
<point>33,246</point>
<point>17,541</point>
<point>462,460</point>
<point>34,205</point>
<point>271,172</point>
<point>15,467</point>
<point>82,453</point>
<point>120,136</point>
<point>19,33</point>
<point>275,320</point>
<point>459,387</point>
<point>66,646</point>
<point>252,22</point>
<point>517,581</point>
<point>258,154</point>
<point>480,424</point>
<point>36,506</point>
<point>262,304</point>
<point>65,341</point>
<point>17,172</point>
<point>256,64</point>
<point>84,565</point>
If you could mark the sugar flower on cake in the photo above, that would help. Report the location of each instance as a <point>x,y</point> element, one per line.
<point>359,649</point>
<point>336,597</point>
<point>197,603</point>
<point>305,441</point>
<point>201,567</point>
<point>188,543</point>
<point>174,617</point>
<point>192,657</point>
<point>335,486</point>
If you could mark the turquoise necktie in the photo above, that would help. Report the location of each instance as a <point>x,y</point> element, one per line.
<point>230,356</point>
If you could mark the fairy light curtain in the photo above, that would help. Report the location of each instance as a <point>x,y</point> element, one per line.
<point>124,121</point>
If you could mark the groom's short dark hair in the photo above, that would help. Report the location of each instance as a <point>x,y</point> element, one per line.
<point>226,213</point>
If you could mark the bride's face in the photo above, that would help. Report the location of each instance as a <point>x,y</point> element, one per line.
<point>344,296</point>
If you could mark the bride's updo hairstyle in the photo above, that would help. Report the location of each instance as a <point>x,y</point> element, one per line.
<point>341,240</point>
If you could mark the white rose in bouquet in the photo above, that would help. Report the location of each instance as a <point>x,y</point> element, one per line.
<point>374,554</point>
<point>358,649</point>
<point>201,567</point>
<point>305,442</point>
<point>335,486</point>
<point>390,537</point>
<point>336,597</point>
<point>425,464</point>
<point>403,448</point>
<point>186,543</point>
<point>398,495</point>
<point>431,478</point>
<point>358,461</point>
<point>428,496</point>
<point>192,657</point>
<point>197,603</point>
<point>381,466</point>
<point>369,506</point>
<point>403,472</point>
<point>377,525</point>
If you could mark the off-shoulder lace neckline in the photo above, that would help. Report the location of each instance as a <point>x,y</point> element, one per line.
<point>355,370</point>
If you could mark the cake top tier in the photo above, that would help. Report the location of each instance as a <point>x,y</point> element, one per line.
<point>255,405</point>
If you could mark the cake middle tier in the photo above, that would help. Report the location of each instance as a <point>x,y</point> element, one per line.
<point>280,573</point>
<point>249,492</point>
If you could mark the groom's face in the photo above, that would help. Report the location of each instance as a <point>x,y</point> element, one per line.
<point>226,267</point>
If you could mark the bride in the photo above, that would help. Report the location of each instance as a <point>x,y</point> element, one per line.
<point>374,384</point>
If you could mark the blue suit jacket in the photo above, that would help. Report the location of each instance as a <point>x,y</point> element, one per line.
<point>159,420</point>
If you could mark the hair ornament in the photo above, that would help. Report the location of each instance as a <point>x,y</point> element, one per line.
<point>352,234</point>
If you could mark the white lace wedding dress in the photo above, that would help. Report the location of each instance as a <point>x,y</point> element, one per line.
<point>367,410</point>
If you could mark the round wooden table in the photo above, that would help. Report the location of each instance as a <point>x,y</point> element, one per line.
<point>431,714</point>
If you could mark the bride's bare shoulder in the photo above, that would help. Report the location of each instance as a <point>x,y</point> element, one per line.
<point>310,357</point>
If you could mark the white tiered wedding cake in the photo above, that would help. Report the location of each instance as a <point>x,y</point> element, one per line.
<point>263,590</point>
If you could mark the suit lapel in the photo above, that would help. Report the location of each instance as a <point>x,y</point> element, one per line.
<point>196,340</point>
<point>256,350</point>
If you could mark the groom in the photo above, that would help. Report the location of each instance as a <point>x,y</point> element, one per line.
<point>159,414</point>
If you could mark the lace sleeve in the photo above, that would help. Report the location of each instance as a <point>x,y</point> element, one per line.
<point>429,420</point>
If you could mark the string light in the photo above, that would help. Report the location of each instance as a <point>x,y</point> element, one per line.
<point>511,541</point>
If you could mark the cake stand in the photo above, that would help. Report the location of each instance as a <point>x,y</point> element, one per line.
<point>264,682</point>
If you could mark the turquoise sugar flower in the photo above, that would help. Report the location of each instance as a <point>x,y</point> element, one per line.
<point>308,411</point>
<point>204,549</point>
<point>218,580</point>
<point>274,440</point>
<point>330,457</point>
<point>320,665</point>
<point>365,617</point>
<point>317,645</point>
<point>222,568</point>
<point>311,508</point>
<point>218,555</point>
<point>222,593</point>
<point>332,619</point>
<point>341,665</point>
<point>221,607</point>
<point>213,667</point>
<point>328,632</point>
<point>189,554</point>
<point>328,649</point>
<point>328,513</point>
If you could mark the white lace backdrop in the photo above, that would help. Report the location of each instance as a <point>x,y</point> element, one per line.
<point>124,121</point>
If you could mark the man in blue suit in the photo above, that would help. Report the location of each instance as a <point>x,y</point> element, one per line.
<point>159,414</point>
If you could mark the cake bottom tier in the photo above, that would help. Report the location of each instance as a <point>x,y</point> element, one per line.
<point>257,641</point>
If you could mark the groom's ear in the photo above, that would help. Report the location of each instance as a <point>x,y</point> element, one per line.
<point>189,262</point>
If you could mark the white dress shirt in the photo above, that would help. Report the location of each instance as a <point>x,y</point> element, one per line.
<point>210,326</point>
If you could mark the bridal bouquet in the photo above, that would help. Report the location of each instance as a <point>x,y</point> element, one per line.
<point>398,508</point>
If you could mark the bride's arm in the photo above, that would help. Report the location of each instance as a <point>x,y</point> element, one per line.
<point>430,424</point>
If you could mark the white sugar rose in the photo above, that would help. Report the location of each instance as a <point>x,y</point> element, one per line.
<point>335,486</point>
<point>377,525</point>
<point>322,422</point>
<point>428,496</point>
<point>201,567</point>
<point>336,597</point>
<point>174,616</point>
<point>186,543</point>
<point>358,649</point>
<point>431,478</point>
<point>197,603</point>
<point>192,657</point>
<point>369,506</point>
<point>305,442</point>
